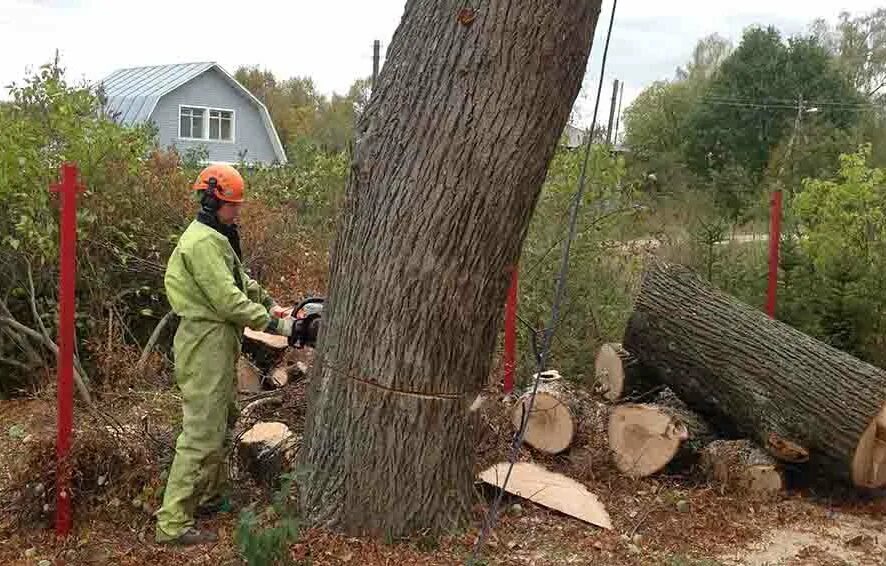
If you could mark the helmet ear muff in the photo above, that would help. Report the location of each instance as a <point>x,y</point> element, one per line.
<point>209,201</point>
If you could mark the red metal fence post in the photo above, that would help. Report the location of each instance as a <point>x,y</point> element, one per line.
<point>67,190</point>
<point>774,241</point>
<point>510,354</point>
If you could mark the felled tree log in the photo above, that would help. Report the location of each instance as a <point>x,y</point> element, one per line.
<point>758,378</point>
<point>267,450</point>
<point>555,415</point>
<point>618,373</point>
<point>741,466</point>
<point>647,438</point>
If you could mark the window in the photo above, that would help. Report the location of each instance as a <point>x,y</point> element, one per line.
<point>196,122</point>
<point>221,125</point>
<point>191,122</point>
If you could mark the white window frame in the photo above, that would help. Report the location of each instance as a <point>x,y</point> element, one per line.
<point>206,110</point>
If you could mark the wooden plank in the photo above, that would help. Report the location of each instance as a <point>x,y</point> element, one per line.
<point>550,489</point>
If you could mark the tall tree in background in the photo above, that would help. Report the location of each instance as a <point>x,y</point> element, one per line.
<point>449,160</point>
<point>750,105</point>
<point>302,115</point>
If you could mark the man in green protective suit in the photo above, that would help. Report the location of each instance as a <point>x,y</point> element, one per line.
<point>215,300</point>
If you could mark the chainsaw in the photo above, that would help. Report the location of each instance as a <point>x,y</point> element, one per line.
<point>306,322</point>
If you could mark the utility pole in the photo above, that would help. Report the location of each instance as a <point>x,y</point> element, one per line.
<point>612,112</point>
<point>621,94</point>
<point>376,49</point>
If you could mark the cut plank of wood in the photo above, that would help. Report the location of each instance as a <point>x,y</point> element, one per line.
<point>270,340</point>
<point>758,378</point>
<point>248,378</point>
<point>618,373</point>
<point>741,466</point>
<point>552,490</point>
<point>551,424</point>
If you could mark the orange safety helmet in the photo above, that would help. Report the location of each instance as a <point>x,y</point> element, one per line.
<point>227,180</point>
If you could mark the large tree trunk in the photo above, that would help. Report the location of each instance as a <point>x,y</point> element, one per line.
<point>449,160</point>
<point>749,374</point>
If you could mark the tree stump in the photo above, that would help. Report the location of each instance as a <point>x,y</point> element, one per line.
<point>741,466</point>
<point>758,378</point>
<point>264,350</point>
<point>267,450</point>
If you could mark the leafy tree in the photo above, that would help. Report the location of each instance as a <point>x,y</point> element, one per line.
<point>750,105</point>
<point>836,269</point>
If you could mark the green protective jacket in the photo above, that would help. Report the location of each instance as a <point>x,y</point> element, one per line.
<point>203,290</point>
<point>200,283</point>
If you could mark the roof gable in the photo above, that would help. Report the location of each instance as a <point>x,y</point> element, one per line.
<point>132,94</point>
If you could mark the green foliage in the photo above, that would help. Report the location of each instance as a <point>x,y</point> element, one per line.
<point>749,106</point>
<point>304,116</point>
<point>265,539</point>
<point>596,302</point>
<point>836,267</point>
<point>137,202</point>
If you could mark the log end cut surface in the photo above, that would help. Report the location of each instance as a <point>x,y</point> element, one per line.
<point>869,462</point>
<point>643,439</point>
<point>550,427</point>
<point>272,341</point>
<point>742,466</point>
<point>609,372</point>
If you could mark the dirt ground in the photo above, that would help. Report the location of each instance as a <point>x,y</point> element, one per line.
<point>668,519</point>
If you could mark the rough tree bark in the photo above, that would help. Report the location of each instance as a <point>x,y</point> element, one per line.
<point>797,397</point>
<point>449,159</point>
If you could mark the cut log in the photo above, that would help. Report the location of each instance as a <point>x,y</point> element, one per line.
<point>265,350</point>
<point>554,491</point>
<point>552,422</point>
<point>267,450</point>
<point>284,374</point>
<point>758,378</point>
<point>741,466</point>
<point>248,377</point>
<point>618,374</point>
<point>644,438</point>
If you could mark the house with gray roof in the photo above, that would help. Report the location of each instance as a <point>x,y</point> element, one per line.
<point>194,105</point>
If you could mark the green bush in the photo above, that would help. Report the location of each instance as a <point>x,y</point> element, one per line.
<point>137,202</point>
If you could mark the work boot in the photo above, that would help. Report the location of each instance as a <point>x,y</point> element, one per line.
<point>213,506</point>
<point>189,537</point>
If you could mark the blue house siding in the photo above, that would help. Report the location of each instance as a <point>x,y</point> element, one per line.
<point>213,90</point>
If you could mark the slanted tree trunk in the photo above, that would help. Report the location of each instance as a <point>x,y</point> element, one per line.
<point>791,394</point>
<point>449,159</point>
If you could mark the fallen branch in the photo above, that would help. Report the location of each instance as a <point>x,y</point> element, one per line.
<point>80,377</point>
<point>19,339</point>
<point>16,364</point>
<point>152,341</point>
<point>46,337</point>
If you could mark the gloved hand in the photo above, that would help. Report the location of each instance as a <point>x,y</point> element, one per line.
<point>280,326</point>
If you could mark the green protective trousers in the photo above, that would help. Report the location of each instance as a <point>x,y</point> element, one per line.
<point>215,299</point>
<point>205,361</point>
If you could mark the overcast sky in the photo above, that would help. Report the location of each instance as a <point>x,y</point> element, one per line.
<point>331,40</point>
